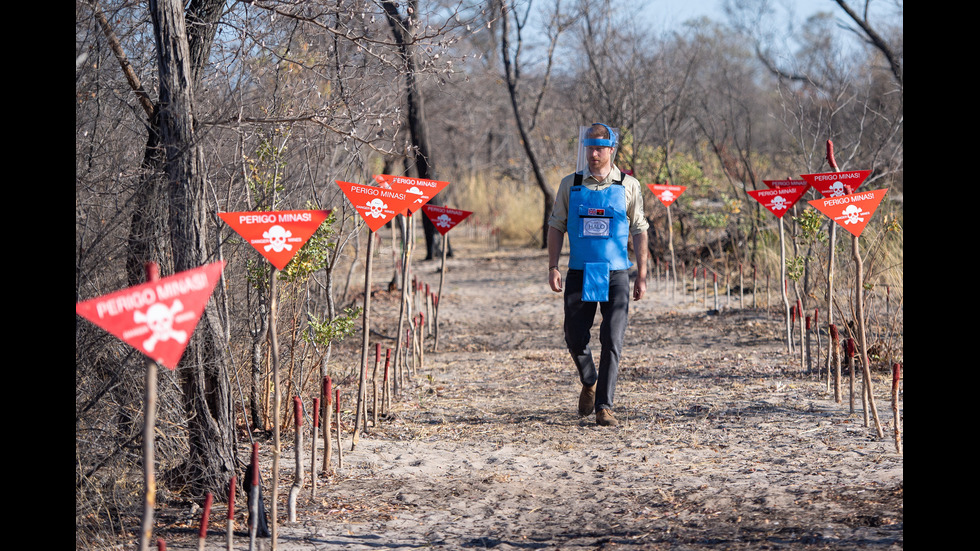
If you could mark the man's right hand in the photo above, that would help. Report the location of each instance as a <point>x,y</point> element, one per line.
<point>554,279</point>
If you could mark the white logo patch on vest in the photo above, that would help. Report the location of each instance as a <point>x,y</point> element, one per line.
<point>595,227</point>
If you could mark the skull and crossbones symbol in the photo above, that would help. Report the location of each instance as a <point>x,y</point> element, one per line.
<point>377,207</point>
<point>160,320</point>
<point>667,196</point>
<point>853,214</point>
<point>779,202</point>
<point>837,189</point>
<point>444,221</point>
<point>277,236</point>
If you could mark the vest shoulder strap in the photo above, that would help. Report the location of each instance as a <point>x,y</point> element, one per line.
<point>578,180</point>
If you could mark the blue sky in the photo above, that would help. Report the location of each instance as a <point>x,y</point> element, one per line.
<point>677,11</point>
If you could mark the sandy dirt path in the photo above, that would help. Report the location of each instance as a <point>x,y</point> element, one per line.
<point>723,443</point>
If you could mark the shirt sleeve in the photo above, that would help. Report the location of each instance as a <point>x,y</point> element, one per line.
<point>559,211</point>
<point>634,206</point>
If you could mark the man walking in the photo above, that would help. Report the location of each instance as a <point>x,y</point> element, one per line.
<point>601,209</point>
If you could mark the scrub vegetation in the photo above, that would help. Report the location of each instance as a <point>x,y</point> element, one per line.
<point>187,109</point>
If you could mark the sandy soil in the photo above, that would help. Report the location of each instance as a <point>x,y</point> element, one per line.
<point>723,443</point>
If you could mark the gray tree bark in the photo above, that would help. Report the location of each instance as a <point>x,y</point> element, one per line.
<point>204,367</point>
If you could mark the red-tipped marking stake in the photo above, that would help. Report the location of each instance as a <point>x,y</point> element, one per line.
<point>316,429</point>
<point>328,414</point>
<point>374,384</point>
<point>835,358</point>
<point>896,414</point>
<point>205,515</point>
<point>809,364</point>
<point>386,397</point>
<point>230,528</point>
<point>340,450</point>
<point>231,498</point>
<point>298,449</point>
<point>850,368</point>
<point>253,499</point>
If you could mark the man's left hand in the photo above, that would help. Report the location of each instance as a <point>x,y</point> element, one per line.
<point>639,288</point>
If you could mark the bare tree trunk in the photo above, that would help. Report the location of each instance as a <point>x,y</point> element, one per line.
<point>259,336</point>
<point>148,228</point>
<point>511,73</point>
<point>401,28</point>
<point>204,367</point>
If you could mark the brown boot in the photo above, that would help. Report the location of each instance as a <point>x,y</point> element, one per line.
<point>586,400</point>
<point>605,418</point>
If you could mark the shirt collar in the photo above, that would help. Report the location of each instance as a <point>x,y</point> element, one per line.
<point>614,175</point>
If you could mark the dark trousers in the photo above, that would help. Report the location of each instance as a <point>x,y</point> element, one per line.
<point>579,318</point>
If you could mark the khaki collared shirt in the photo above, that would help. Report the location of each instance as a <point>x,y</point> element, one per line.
<point>634,199</point>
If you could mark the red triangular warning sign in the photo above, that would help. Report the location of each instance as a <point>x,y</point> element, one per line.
<point>835,184</point>
<point>666,192</point>
<point>444,218</point>
<point>784,183</point>
<point>157,317</point>
<point>851,212</point>
<point>420,190</point>
<point>778,200</point>
<point>376,205</point>
<point>277,235</point>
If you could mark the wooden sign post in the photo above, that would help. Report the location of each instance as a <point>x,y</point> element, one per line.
<point>852,212</point>
<point>377,206</point>
<point>444,219</point>
<point>779,200</point>
<point>157,318</point>
<point>667,194</point>
<point>277,236</point>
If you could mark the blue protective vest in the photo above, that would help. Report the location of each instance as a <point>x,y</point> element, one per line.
<point>598,229</point>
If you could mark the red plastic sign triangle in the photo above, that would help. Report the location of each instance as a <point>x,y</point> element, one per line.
<point>420,190</point>
<point>835,184</point>
<point>157,317</point>
<point>444,218</point>
<point>376,205</point>
<point>778,200</point>
<point>277,235</point>
<point>784,183</point>
<point>851,212</point>
<point>666,192</point>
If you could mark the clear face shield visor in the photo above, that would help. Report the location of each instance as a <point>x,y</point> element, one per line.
<point>582,162</point>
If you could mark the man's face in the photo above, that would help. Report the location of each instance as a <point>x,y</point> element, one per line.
<point>599,156</point>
